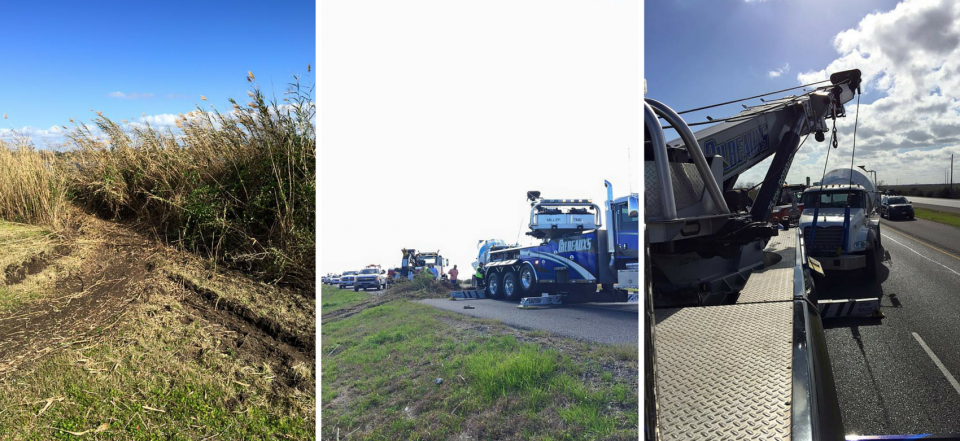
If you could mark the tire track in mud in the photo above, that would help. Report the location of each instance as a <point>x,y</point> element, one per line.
<point>256,337</point>
<point>85,303</point>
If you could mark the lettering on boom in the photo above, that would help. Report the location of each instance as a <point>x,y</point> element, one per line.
<point>574,245</point>
<point>740,149</point>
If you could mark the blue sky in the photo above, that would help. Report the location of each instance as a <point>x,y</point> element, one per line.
<point>61,59</point>
<point>700,52</point>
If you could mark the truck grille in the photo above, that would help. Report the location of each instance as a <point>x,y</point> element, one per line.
<point>827,241</point>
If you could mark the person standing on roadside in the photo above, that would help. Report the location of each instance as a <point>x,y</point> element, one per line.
<point>453,275</point>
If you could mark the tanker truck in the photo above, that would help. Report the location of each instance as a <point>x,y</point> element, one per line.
<point>840,231</point>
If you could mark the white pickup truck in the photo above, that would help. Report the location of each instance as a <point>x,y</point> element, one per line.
<point>371,277</point>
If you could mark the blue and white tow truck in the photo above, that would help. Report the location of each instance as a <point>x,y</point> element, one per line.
<point>577,259</point>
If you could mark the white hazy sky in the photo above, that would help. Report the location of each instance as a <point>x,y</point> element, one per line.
<point>436,117</point>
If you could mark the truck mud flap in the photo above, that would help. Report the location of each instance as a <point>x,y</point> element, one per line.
<point>468,294</point>
<point>850,308</point>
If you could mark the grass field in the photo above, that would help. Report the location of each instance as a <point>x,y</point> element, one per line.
<point>943,217</point>
<point>151,376</point>
<point>333,298</point>
<point>380,368</point>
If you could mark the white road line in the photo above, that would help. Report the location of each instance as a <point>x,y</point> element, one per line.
<point>946,373</point>
<point>921,255</point>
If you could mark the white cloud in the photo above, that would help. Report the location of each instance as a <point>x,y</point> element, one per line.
<point>161,120</point>
<point>129,96</point>
<point>51,137</point>
<point>780,71</point>
<point>910,60</point>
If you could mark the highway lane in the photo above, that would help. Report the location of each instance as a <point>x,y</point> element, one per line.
<point>611,323</point>
<point>936,203</point>
<point>899,374</point>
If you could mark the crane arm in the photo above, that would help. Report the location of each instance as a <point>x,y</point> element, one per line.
<point>757,132</point>
<point>773,128</point>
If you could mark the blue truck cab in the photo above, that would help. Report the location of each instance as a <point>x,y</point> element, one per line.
<point>576,256</point>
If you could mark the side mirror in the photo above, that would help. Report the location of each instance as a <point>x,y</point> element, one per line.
<point>633,207</point>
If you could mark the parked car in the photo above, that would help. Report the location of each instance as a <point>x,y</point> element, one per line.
<point>896,206</point>
<point>347,279</point>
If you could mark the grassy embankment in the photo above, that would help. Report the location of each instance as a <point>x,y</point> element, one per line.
<point>334,299</point>
<point>380,367</point>
<point>943,217</point>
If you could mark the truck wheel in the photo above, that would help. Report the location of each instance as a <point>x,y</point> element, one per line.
<point>528,282</point>
<point>511,289</point>
<point>493,285</point>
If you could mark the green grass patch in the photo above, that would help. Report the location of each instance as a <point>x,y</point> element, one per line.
<point>380,368</point>
<point>152,377</point>
<point>943,217</point>
<point>333,298</point>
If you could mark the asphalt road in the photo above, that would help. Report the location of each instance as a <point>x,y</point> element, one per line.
<point>611,323</point>
<point>936,203</point>
<point>899,374</point>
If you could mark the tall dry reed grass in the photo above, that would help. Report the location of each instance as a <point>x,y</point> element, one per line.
<point>32,188</point>
<point>238,186</point>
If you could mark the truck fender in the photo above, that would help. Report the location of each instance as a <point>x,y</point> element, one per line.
<point>536,276</point>
<point>873,237</point>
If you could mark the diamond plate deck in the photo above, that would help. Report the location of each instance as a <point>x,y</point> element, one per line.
<point>724,371</point>
<point>775,283</point>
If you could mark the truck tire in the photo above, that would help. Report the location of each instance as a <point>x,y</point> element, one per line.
<point>493,285</point>
<point>511,286</point>
<point>528,280</point>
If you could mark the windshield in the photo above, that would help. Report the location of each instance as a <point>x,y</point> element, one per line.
<point>788,196</point>
<point>369,271</point>
<point>832,199</point>
<point>350,273</point>
<point>893,201</point>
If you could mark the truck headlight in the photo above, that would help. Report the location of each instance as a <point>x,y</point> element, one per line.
<point>859,245</point>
